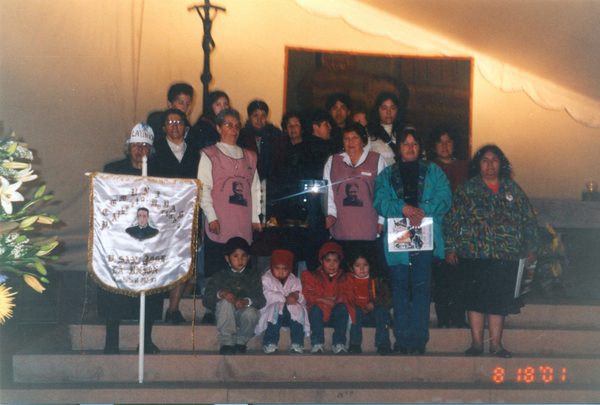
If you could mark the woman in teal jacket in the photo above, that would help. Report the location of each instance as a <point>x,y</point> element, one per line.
<point>412,188</point>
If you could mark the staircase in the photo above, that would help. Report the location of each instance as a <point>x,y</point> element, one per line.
<point>556,359</point>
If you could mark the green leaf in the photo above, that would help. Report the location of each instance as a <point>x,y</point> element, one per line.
<point>40,192</point>
<point>20,239</point>
<point>48,197</point>
<point>41,269</point>
<point>12,148</point>
<point>44,280</point>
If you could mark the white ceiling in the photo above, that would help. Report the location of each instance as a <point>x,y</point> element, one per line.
<point>557,40</point>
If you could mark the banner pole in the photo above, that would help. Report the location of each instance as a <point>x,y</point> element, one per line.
<point>142,324</point>
<point>142,304</point>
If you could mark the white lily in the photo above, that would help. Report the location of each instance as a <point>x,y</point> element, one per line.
<point>9,194</point>
<point>26,175</point>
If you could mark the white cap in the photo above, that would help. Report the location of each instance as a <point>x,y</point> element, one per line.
<point>141,133</point>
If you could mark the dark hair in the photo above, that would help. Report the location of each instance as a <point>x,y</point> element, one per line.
<point>374,270</point>
<point>227,112</point>
<point>358,253</point>
<point>319,116</point>
<point>175,111</point>
<point>475,164</point>
<point>180,88</point>
<point>360,108</point>
<point>374,120</point>
<point>436,135</point>
<point>287,116</point>
<point>341,97</point>
<point>234,244</point>
<point>404,134</point>
<point>213,96</point>
<point>143,209</point>
<point>257,105</point>
<point>358,128</point>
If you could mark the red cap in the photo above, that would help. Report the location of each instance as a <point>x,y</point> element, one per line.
<point>284,257</point>
<point>330,247</point>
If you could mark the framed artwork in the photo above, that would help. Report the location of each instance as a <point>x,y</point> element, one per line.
<point>438,89</point>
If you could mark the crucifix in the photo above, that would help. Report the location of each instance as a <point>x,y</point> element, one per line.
<point>207,44</point>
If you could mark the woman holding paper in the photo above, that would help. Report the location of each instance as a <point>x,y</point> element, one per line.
<point>490,226</point>
<point>412,188</point>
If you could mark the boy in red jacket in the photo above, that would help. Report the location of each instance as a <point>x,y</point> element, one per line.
<point>329,299</point>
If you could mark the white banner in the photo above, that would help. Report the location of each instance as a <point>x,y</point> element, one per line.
<point>402,237</point>
<point>143,232</point>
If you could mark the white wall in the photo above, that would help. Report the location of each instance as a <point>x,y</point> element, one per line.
<point>76,75</point>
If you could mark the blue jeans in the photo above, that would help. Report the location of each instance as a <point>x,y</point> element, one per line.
<point>410,292</point>
<point>338,319</point>
<point>378,318</point>
<point>285,319</point>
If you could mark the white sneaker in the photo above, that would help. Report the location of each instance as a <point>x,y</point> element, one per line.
<point>270,348</point>
<point>317,349</point>
<point>295,348</point>
<point>337,349</point>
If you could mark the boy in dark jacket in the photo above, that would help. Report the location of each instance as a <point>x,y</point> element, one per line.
<point>236,295</point>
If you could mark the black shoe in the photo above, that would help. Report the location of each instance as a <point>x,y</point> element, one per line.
<point>502,353</point>
<point>174,317</point>
<point>473,352</point>
<point>241,349</point>
<point>384,349</point>
<point>149,348</point>
<point>227,350</point>
<point>354,349</point>
<point>109,349</point>
<point>442,323</point>
<point>400,350</point>
<point>209,319</point>
<point>417,351</point>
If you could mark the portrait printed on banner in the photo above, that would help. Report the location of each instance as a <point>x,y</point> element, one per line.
<point>352,199</point>
<point>142,230</point>
<point>237,197</point>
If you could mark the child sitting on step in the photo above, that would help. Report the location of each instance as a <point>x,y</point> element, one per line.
<point>235,295</point>
<point>286,306</point>
<point>372,303</point>
<point>328,299</point>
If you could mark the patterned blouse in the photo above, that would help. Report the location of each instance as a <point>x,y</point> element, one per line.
<point>482,225</point>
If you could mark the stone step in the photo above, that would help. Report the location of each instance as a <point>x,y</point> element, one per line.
<point>532,315</point>
<point>179,337</point>
<point>539,371</point>
<point>298,392</point>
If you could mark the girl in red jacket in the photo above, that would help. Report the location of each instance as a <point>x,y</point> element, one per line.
<point>372,300</point>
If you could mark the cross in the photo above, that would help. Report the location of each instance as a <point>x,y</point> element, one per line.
<point>207,44</point>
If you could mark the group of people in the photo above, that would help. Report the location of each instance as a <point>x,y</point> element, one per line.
<point>375,168</point>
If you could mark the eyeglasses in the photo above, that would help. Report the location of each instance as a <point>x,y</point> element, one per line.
<point>140,145</point>
<point>233,126</point>
<point>171,123</point>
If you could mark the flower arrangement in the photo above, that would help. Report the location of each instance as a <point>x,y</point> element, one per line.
<point>551,263</point>
<point>20,254</point>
